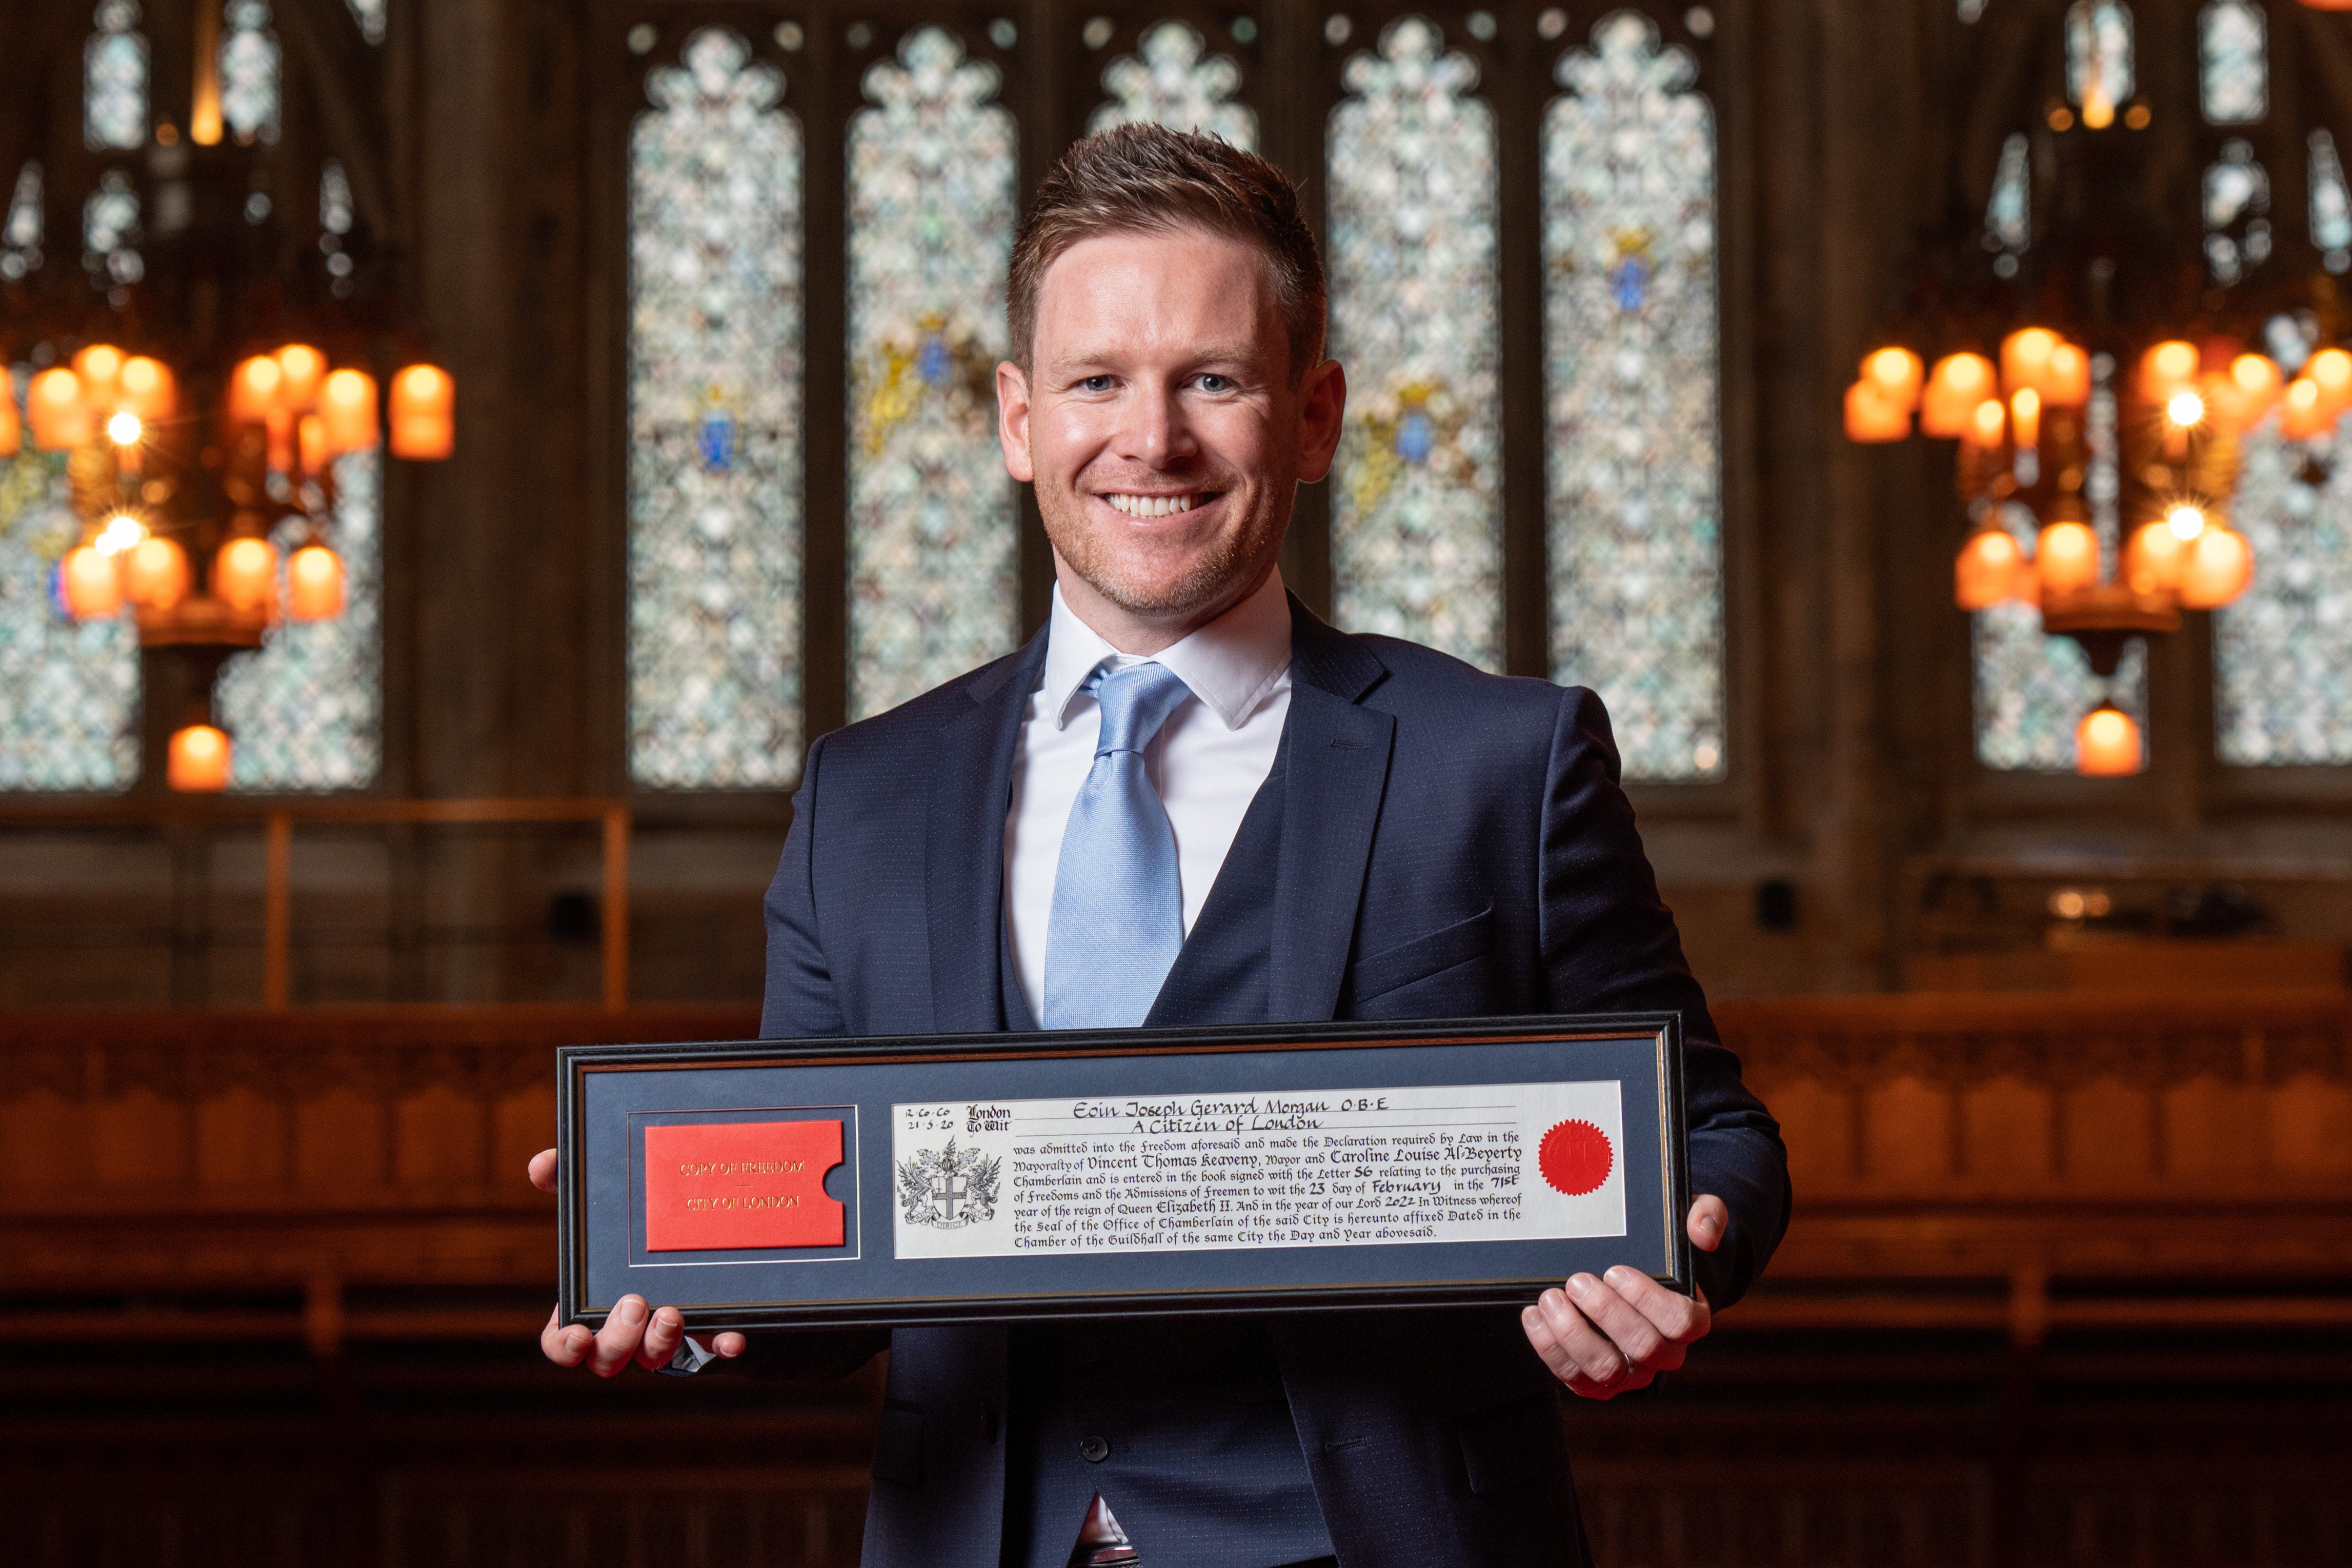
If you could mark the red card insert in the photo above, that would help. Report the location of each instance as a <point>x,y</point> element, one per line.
<point>716,1186</point>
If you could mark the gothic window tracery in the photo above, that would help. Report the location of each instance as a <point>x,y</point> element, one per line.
<point>114,79</point>
<point>1172,80</point>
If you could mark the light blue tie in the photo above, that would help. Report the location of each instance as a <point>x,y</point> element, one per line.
<point>1119,908</point>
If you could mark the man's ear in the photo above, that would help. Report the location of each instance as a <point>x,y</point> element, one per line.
<point>1323,407</point>
<point>1012,421</point>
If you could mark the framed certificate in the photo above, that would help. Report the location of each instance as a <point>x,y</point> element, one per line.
<point>984,1177</point>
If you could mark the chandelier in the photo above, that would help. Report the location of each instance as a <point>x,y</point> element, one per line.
<point>2099,370</point>
<point>203,390</point>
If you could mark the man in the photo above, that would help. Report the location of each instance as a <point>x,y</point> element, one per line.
<point>1189,802</point>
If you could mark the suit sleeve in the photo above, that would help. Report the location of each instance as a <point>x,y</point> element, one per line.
<point>1610,946</point>
<point>800,1001</point>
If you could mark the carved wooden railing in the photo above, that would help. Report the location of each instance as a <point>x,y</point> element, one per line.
<point>1993,1160</point>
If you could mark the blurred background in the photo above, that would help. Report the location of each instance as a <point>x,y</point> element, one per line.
<point>459,453</point>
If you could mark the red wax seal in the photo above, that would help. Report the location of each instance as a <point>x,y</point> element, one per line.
<point>720,1185</point>
<point>1575,1158</point>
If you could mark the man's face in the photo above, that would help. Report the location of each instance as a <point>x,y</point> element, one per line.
<point>1160,422</point>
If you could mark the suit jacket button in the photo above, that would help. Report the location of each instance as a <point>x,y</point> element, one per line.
<point>1094,1450</point>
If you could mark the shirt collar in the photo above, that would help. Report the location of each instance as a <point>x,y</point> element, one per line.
<point>1232,664</point>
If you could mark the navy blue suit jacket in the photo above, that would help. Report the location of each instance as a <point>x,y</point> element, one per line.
<point>1454,844</point>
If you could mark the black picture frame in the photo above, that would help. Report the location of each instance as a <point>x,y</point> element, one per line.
<point>607,1093</point>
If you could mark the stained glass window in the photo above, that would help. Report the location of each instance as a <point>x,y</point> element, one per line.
<point>369,14</point>
<point>715,400</point>
<point>1416,496</point>
<point>2232,63</point>
<point>2009,211</point>
<point>110,231</point>
<point>114,79</point>
<point>249,72</point>
<point>2098,58</point>
<point>2331,204</point>
<point>1633,470</point>
<point>68,694</point>
<point>2032,689</point>
<point>933,541</point>
<point>2282,652</point>
<point>21,232</point>
<point>2237,208</point>
<point>305,711</point>
<point>334,199</point>
<point>1166,83</point>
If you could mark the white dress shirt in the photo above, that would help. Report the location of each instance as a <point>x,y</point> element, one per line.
<point>1208,761</point>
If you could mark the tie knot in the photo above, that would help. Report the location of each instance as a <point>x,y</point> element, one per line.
<point>1135,701</point>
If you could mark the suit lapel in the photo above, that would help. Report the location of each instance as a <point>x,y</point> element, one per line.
<point>964,858</point>
<point>1338,770</point>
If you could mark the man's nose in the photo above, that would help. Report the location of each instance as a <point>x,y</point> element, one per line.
<point>1154,431</point>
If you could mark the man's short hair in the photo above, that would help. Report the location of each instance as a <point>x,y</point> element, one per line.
<point>1147,179</point>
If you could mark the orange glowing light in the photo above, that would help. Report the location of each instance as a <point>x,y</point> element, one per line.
<point>253,389</point>
<point>347,402</point>
<point>2167,368</point>
<point>2304,411</point>
<point>155,575</point>
<point>11,429</point>
<point>310,440</point>
<point>93,584</point>
<point>2153,557</point>
<point>59,414</point>
<point>2215,568</point>
<point>314,584</point>
<point>198,761</point>
<point>1872,416</point>
<point>1959,383</point>
<point>2068,383</point>
<point>2331,369</point>
<point>1986,425</point>
<point>303,368</point>
<point>2025,417</point>
<point>2106,743</point>
<point>2025,357</point>
<point>245,575</point>
<point>1897,373</point>
<point>2068,557</point>
<point>147,388</point>
<point>1988,570</point>
<point>423,422</point>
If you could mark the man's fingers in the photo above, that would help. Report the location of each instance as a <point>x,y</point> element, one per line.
<point>565,1345</point>
<point>542,1170</point>
<point>662,1334</point>
<point>1636,1337</point>
<point>729,1344</point>
<point>617,1342</point>
<point>1709,1218</point>
<point>1679,1320</point>
<point>1589,1350</point>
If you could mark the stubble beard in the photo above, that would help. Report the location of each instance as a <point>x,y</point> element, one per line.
<point>1209,577</point>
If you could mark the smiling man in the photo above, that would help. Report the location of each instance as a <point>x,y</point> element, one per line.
<point>1188,801</point>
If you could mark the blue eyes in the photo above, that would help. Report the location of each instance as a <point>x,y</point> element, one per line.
<point>1095,384</point>
<point>1217,383</point>
<point>1214,386</point>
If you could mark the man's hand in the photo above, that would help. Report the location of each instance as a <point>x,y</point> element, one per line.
<point>1609,1336</point>
<point>630,1334</point>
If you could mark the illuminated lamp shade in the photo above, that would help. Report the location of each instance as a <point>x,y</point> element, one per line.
<point>2167,368</point>
<point>2331,369</point>
<point>156,574</point>
<point>244,576</point>
<point>347,404</point>
<point>1990,568</point>
<point>2304,411</point>
<point>2025,417</point>
<point>2106,743</point>
<point>311,441</point>
<point>2069,380</point>
<point>423,422</point>
<point>1986,425</point>
<point>11,429</point>
<point>1897,375</point>
<point>2153,559</point>
<point>147,389</point>
<point>314,584</point>
<point>100,367</point>
<point>2240,398</point>
<point>2067,555</point>
<point>2025,359</point>
<point>93,584</point>
<point>253,389</point>
<point>304,369</point>
<point>57,412</point>
<point>2215,569</point>
<point>1957,383</point>
<point>198,761</point>
<point>1872,416</point>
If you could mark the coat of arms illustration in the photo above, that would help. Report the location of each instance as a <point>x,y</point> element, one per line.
<point>948,1188</point>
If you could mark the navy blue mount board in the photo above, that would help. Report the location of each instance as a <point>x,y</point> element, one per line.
<point>1282,1093</point>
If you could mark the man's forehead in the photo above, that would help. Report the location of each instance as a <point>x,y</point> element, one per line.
<point>1188,288</point>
